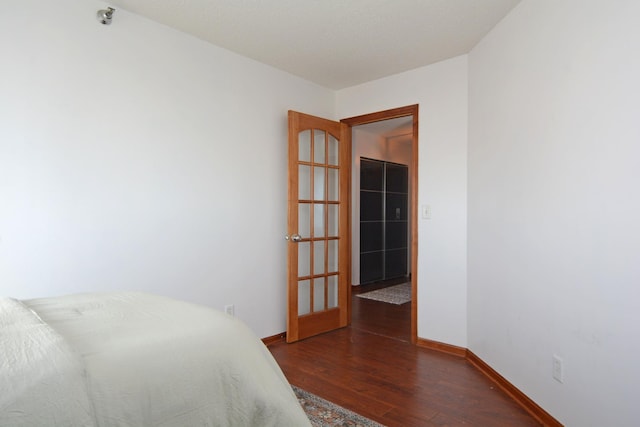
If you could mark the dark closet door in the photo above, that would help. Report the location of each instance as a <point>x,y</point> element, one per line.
<point>396,220</point>
<point>383,220</point>
<point>371,221</point>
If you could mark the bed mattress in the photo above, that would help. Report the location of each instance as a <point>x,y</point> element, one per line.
<point>134,359</point>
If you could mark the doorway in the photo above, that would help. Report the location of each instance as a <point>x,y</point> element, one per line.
<point>389,137</point>
<point>319,254</point>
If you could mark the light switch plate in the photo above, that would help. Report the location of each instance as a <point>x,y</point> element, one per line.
<point>426,212</point>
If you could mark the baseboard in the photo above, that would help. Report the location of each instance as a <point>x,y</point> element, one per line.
<point>273,339</point>
<point>442,347</point>
<point>522,399</point>
<point>519,397</point>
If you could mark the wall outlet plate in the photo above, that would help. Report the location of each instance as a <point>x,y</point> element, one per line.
<point>558,368</point>
<point>229,309</point>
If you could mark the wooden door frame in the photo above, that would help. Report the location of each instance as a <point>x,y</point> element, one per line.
<point>408,111</point>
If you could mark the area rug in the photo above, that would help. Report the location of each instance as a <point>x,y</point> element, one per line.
<point>323,413</point>
<point>398,294</point>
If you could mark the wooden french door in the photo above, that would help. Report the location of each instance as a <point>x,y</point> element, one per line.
<point>318,225</point>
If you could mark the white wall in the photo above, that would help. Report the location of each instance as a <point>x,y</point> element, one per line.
<point>372,145</point>
<point>133,156</point>
<point>554,234</point>
<point>441,92</point>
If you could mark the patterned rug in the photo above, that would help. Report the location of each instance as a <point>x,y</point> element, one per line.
<point>323,413</point>
<point>398,294</point>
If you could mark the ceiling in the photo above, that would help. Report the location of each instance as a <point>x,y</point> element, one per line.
<point>334,43</point>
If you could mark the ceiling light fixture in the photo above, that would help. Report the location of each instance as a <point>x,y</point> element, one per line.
<point>105,15</point>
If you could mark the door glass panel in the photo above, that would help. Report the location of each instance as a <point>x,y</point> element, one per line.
<point>304,259</point>
<point>304,297</point>
<point>304,146</point>
<point>333,220</point>
<point>318,183</point>
<point>318,146</point>
<point>304,220</point>
<point>332,256</point>
<point>318,294</point>
<point>333,151</point>
<point>304,182</point>
<point>318,220</point>
<point>333,184</point>
<point>318,257</point>
<point>332,291</point>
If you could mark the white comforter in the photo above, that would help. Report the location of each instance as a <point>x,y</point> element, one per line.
<point>132,359</point>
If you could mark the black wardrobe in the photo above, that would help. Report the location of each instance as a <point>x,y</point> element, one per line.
<point>384,197</point>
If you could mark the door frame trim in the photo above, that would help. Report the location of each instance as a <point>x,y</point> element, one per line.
<point>409,110</point>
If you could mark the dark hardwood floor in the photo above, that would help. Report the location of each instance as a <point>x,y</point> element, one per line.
<point>371,367</point>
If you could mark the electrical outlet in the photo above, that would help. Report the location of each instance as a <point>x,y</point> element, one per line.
<point>229,309</point>
<point>558,369</point>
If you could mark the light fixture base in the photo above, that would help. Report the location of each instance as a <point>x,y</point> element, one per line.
<point>105,15</point>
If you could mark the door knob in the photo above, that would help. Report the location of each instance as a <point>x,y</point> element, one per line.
<point>294,237</point>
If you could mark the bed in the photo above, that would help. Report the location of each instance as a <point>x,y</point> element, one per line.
<point>134,359</point>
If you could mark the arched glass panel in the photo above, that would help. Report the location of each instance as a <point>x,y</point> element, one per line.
<point>318,146</point>
<point>304,146</point>
<point>333,151</point>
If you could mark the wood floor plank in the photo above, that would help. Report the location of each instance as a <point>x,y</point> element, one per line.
<point>371,368</point>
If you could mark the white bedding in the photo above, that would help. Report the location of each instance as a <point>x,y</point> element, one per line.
<point>132,359</point>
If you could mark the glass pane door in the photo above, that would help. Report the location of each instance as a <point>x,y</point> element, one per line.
<point>319,171</point>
